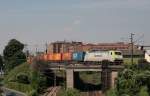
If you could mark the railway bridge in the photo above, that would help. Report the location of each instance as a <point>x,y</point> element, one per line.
<point>109,72</point>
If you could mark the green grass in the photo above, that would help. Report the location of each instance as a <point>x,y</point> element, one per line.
<point>23,68</point>
<point>26,88</point>
<point>68,92</point>
<point>10,79</point>
<point>128,60</point>
<point>92,77</point>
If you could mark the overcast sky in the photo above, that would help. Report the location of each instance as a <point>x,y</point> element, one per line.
<point>36,22</point>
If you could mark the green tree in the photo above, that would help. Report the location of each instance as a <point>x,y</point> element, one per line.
<point>1,62</point>
<point>126,83</point>
<point>132,79</point>
<point>13,54</point>
<point>38,78</point>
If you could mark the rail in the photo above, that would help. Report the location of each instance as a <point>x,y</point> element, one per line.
<point>52,91</point>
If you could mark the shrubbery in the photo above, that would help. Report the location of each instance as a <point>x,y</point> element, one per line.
<point>23,78</point>
<point>134,80</point>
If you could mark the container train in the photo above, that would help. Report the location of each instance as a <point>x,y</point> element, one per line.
<point>89,56</point>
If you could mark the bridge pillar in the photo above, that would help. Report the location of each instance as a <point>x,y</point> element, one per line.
<point>106,79</point>
<point>106,76</point>
<point>70,78</point>
<point>114,75</point>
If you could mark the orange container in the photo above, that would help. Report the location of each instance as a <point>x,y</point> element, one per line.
<point>45,57</point>
<point>57,57</point>
<point>41,57</point>
<point>50,57</point>
<point>66,56</point>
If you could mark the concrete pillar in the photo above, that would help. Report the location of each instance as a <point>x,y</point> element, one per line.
<point>70,78</point>
<point>105,76</point>
<point>106,80</point>
<point>114,75</point>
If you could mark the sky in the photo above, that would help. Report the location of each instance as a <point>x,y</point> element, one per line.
<point>37,22</point>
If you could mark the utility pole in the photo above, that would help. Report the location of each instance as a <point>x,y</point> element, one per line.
<point>26,50</point>
<point>132,43</point>
<point>46,45</point>
<point>55,83</point>
<point>36,49</point>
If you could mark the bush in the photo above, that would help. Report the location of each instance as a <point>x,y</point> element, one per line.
<point>33,93</point>
<point>111,92</point>
<point>38,81</point>
<point>23,78</point>
<point>143,91</point>
<point>11,81</point>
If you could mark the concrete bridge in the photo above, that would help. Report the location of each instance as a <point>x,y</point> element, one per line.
<point>109,72</point>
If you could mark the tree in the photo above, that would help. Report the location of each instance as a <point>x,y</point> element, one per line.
<point>38,79</point>
<point>126,83</point>
<point>1,62</point>
<point>132,79</point>
<point>13,54</point>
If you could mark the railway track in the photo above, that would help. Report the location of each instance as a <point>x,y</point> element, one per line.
<point>95,93</point>
<point>52,91</point>
<point>92,93</point>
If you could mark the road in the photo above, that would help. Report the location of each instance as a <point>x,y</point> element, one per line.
<point>11,92</point>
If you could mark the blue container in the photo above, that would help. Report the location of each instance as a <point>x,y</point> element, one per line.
<point>78,56</point>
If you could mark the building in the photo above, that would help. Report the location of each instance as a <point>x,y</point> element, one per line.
<point>63,46</point>
<point>109,46</point>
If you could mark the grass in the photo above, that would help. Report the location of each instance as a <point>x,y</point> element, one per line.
<point>25,88</point>
<point>128,60</point>
<point>23,68</point>
<point>91,77</point>
<point>10,79</point>
<point>68,92</point>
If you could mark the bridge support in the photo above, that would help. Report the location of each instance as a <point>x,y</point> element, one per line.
<point>106,79</point>
<point>114,76</point>
<point>70,78</point>
<point>108,76</point>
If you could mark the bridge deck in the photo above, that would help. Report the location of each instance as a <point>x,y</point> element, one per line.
<point>81,67</point>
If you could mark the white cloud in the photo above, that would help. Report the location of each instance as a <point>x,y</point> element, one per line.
<point>75,23</point>
<point>68,29</point>
<point>77,20</point>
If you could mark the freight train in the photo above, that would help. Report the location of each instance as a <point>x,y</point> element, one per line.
<point>89,56</point>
